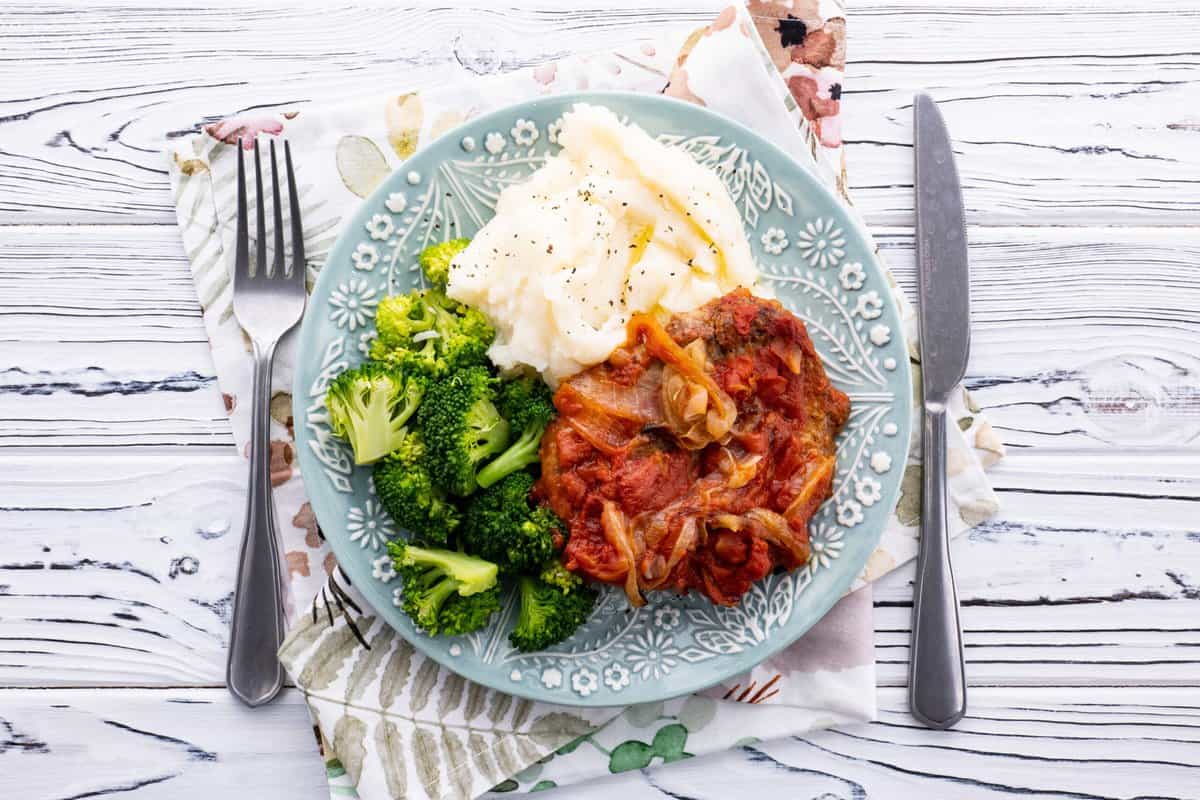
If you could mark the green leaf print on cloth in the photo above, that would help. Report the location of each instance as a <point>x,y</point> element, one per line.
<point>436,734</point>
<point>667,744</point>
<point>630,755</point>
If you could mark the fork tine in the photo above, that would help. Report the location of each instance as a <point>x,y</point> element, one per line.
<point>297,229</point>
<point>241,262</point>
<point>260,248</point>
<point>277,264</point>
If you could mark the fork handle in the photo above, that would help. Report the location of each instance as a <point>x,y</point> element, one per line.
<point>937,683</point>
<point>253,672</point>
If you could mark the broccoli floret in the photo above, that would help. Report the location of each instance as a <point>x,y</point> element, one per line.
<point>430,333</point>
<point>466,614</point>
<point>435,260</point>
<point>422,359</point>
<point>407,492</point>
<point>526,404</point>
<point>548,615</point>
<point>370,405</point>
<point>501,525</point>
<point>461,427</point>
<point>445,591</point>
<point>399,318</point>
<point>555,574</point>
<point>464,333</point>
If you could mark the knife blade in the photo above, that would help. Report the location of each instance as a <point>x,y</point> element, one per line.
<point>942,270</point>
<point>937,680</point>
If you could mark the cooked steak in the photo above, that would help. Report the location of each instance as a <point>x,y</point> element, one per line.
<point>694,457</point>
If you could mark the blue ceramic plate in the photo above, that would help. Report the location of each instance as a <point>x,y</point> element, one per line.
<point>809,250</point>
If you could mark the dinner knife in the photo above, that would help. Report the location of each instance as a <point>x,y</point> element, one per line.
<point>937,681</point>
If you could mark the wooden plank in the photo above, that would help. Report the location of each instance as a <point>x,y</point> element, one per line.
<point>140,393</point>
<point>1057,120</point>
<point>1089,575</point>
<point>112,352</point>
<point>1041,743</point>
<point>79,162</point>
<point>123,577</point>
<point>185,745</point>
<point>118,569</point>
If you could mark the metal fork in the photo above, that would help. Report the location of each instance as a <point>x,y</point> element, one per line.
<point>267,303</point>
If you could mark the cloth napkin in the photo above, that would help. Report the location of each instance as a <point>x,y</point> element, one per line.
<point>395,724</point>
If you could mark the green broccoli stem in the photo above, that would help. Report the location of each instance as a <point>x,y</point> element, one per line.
<point>520,454</point>
<point>490,431</point>
<point>440,592</point>
<point>444,322</point>
<point>376,433</point>
<point>529,608</point>
<point>414,392</point>
<point>470,574</point>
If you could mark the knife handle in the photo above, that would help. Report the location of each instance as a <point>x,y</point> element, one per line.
<point>937,682</point>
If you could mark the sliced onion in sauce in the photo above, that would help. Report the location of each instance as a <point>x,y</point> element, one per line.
<point>767,525</point>
<point>738,473</point>
<point>790,355</point>
<point>697,411</point>
<point>817,475</point>
<point>775,529</point>
<point>617,532</point>
<point>639,402</point>
<point>685,543</point>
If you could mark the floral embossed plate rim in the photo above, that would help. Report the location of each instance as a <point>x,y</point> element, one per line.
<point>810,251</point>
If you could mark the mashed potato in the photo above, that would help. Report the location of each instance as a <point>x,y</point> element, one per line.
<point>615,224</point>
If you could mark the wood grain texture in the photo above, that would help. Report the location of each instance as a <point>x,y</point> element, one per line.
<point>1094,744</point>
<point>115,340</point>
<point>1060,115</point>
<point>120,493</point>
<point>124,578</point>
<point>1032,580</point>
<point>129,743</point>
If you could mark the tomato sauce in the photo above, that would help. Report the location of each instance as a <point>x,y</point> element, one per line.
<point>714,508</point>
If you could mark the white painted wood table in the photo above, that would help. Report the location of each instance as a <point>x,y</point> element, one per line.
<point>1078,132</point>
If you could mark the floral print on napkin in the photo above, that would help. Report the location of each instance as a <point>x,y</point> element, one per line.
<point>809,50</point>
